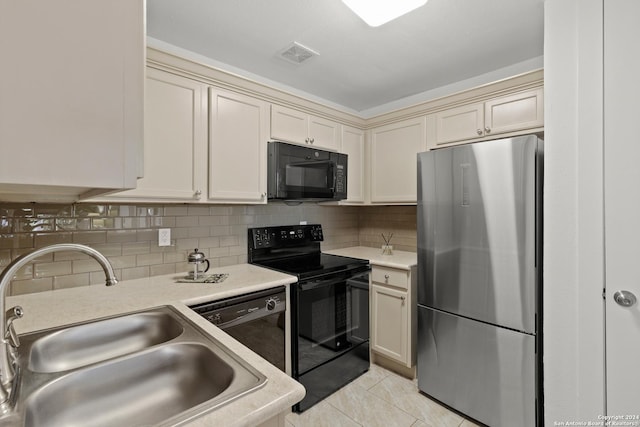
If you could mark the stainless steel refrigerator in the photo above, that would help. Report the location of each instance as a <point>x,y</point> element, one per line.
<point>479,279</point>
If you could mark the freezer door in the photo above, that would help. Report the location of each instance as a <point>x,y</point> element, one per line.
<point>483,371</point>
<point>477,231</point>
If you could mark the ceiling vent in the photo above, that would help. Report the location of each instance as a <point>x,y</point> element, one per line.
<point>297,53</point>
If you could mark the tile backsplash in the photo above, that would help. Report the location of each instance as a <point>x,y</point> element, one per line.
<point>128,236</point>
<point>397,220</point>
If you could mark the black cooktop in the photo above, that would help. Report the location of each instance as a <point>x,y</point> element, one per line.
<point>296,250</point>
<point>307,267</point>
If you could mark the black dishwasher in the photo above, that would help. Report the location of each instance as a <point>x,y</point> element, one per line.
<point>257,320</point>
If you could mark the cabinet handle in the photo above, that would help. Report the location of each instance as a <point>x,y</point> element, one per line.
<point>386,278</point>
<point>306,140</point>
<point>487,130</point>
<point>403,299</point>
<point>479,131</point>
<point>198,194</point>
<point>312,140</point>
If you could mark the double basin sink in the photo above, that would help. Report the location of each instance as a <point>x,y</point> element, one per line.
<point>154,367</point>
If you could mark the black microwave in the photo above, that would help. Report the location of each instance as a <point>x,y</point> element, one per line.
<point>297,173</point>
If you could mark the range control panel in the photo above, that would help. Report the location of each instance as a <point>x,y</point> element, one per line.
<point>282,236</point>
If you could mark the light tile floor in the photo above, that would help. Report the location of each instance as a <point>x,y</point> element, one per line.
<point>378,398</point>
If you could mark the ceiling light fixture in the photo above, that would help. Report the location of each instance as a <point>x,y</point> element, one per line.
<point>378,12</point>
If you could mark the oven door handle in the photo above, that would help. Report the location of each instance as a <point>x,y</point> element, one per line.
<point>311,162</point>
<point>307,286</point>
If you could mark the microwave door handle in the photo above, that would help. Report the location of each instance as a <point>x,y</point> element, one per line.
<point>334,176</point>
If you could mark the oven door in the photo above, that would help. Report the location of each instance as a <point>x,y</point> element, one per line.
<point>330,333</point>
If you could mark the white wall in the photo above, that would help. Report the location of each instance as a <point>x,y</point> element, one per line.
<point>573,234</point>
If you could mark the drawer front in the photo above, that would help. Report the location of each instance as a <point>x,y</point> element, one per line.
<point>390,276</point>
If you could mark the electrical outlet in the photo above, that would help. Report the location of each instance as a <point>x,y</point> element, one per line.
<point>164,237</point>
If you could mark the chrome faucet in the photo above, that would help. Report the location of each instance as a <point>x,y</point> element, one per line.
<point>9,371</point>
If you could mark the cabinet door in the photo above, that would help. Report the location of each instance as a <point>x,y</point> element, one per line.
<point>324,133</point>
<point>175,143</point>
<point>237,148</point>
<point>394,149</point>
<point>514,112</point>
<point>71,103</point>
<point>390,323</point>
<point>289,125</point>
<point>458,124</point>
<point>353,146</point>
<point>294,126</point>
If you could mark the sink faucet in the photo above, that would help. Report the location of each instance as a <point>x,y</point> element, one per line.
<point>8,365</point>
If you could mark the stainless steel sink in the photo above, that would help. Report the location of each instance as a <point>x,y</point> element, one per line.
<point>180,374</point>
<point>93,342</point>
<point>147,388</point>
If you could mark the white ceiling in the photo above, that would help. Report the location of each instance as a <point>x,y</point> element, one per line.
<point>359,68</point>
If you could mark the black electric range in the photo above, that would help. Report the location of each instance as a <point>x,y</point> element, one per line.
<point>329,307</point>
<point>295,249</point>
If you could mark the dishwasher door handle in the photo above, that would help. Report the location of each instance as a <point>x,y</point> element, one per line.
<point>251,316</point>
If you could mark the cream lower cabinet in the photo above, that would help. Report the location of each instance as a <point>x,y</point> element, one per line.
<point>238,134</point>
<point>516,113</point>
<point>175,142</point>
<point>394,148</point>
<point>393,314</point>
<point>298,127</point>
<point>353,146</point>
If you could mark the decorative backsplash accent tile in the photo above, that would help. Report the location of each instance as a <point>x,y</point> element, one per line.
<point>128,236</point>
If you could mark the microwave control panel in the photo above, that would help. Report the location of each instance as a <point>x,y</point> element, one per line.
<point>340,180</point>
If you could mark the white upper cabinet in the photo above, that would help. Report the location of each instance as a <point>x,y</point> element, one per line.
<point>202,144</point>
<point>353,145</point>
<point>511,114</point>
<point>175,143</point>
<point>297,127</point>
<point>520,111</point>
<point>238,134</point>
<point>394,150</point>
<point>324,133</point>
<point>289,125</point>
<point>71,97</point>
<point>457,124</point>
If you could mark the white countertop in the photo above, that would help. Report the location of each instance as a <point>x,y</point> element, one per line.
<point>55,308</point>
<point>400,259</point>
